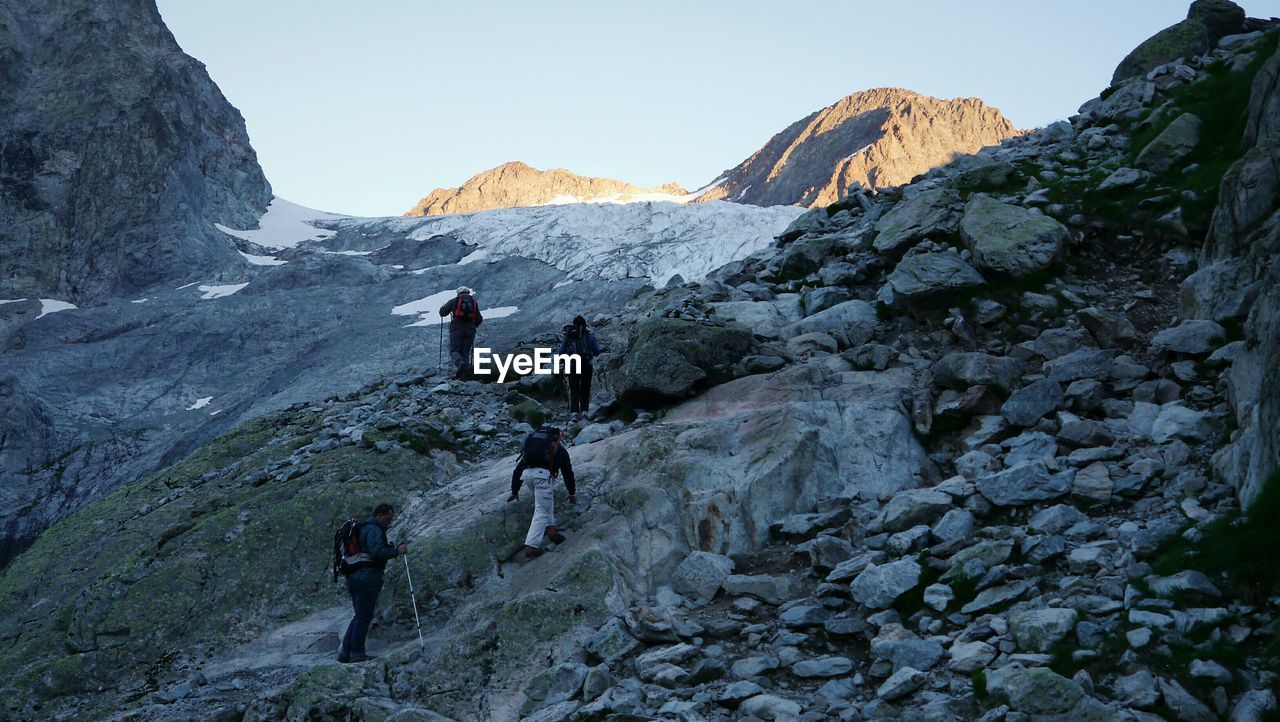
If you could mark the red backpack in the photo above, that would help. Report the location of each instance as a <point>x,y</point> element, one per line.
<point>465,307</point>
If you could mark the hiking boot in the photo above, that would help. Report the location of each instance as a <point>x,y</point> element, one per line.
<point>556,537</point>
<point>531,553</point>
<point>344,658</point>
<point>356,658</point>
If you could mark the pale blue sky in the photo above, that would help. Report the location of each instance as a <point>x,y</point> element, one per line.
<point>363,108</point>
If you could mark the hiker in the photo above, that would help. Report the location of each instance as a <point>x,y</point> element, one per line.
<point>364,579</point>
<point>579,341</point>
<point>464,311</point>
<point>542,458</point>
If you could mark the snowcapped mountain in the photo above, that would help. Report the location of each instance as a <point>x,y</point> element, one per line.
<point>879,137</point>
<point>516,184</point>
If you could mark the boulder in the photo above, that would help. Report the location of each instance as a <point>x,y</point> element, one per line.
<point>921,278</point>
<point>1196,337</point>
<point>670,358</point>
<point>1087,363</point>
<point>700,575</point>
<point>1040,691</point>
<point>762,317</point>
<point>554,685</point>
<point>901,683</point>
<point>820,299</point>
<point>879,586</point>
<point>1038,630</point>
<point>1010,240</point>
<point>766,588</point>
<point>822,667</point>
<point>1179,422</point>
<point>912,507</point>
<point>1174,143</point>
<point>1185,706</point>
<point>963,369</point>
<point>1024,484</point>
<point>967,657</point>
<point>1122,178</point>
<point>1032,402</point>
<point>851,323</point>
<point>924,215</point>
<point>1109,328</point>
<point>770,707</point>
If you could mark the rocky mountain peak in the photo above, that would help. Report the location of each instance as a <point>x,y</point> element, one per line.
<point>117,153</point>
<point>879,137</point>
<point>517,184</point>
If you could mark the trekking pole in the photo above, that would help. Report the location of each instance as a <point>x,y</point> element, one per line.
<point>440,347</point>
<point>414,599</point>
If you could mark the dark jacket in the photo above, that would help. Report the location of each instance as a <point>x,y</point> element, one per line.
<point>568,345</point>
<point>447,310</point>
<point>373,541</point>
<point>561,465</point>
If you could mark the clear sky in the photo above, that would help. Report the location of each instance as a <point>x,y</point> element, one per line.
<point>364,107</point>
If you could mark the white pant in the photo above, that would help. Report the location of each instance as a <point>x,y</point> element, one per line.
<point>544,505</point>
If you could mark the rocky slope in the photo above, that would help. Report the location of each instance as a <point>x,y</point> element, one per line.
<point>515,184</point>
<point>118,153</point>
<point>306,312</point>
<point>953,451</point>
<point>876,138</point>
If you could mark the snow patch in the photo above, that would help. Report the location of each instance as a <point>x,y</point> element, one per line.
<point>284,225</point>
<point>744,192</point>
<point>859,151</point>
<point>348,253</point>
<point>49,305</point>
<point>140,300</point>
<point>200,403</point>
<point>262,260</point>
<point>189,285</point>
<point>477,255</point>
<point>211,292</point>
<point>423,306</point>
<point>499,312</point>
<point>3,301</point>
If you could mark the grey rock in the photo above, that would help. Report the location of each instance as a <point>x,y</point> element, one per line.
<point>770,707</point>
<point>1185,581</point>
<point>1174,143</point>
<point>700,575</point>
<point>736,692</point>
<point>1056,519</point>
<point>1197,337</point>
<point>766,588</point>
<point>1032,402</point>
<point>1024,484</point>
<point>1038,630</point>
<point>1184,705</point>
<point>922,278</point>
<point>822,667</point>
<point>964,369</point>
<point>901,683</point>
<point>912,507</point>
<point>1087,363</point>
<point>1207,22</point>
<point>1122,178</point>
<point>851,323</point>
<point>1009,240</point>
<point>612,641</point>
<point>926,214</point>
<point>996,596</point>
<point>1137,689</point>
<point>879,586</point>
<point>1039,691</point>
<point>1179,422</point>
<point>1253,706</point>
<point>1109,328</point>
<point>904,649</point>
<point>969,657</point>
<point>755,666</point>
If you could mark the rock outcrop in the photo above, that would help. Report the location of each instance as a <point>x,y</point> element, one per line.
<point>515,184</point>
<point>117,154</point>
<point>876,138</point>
<point>1208,21</point>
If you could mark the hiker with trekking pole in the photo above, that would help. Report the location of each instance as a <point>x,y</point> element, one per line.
<point>361,552</point>
<point>463,311</point>
<point>542,458</point>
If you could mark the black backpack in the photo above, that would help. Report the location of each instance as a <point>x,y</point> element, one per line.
<point>577,343</point>
<point>540,448</point>
<point>465,308</point>
<point>347,555</point>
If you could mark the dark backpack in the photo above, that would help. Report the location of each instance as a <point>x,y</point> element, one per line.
<point>465,308</point>
<point>576,342</point>
<point>540,448</point>
<point>347,555</point>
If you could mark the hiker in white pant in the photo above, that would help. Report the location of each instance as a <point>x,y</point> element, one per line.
<point>542,458</point>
